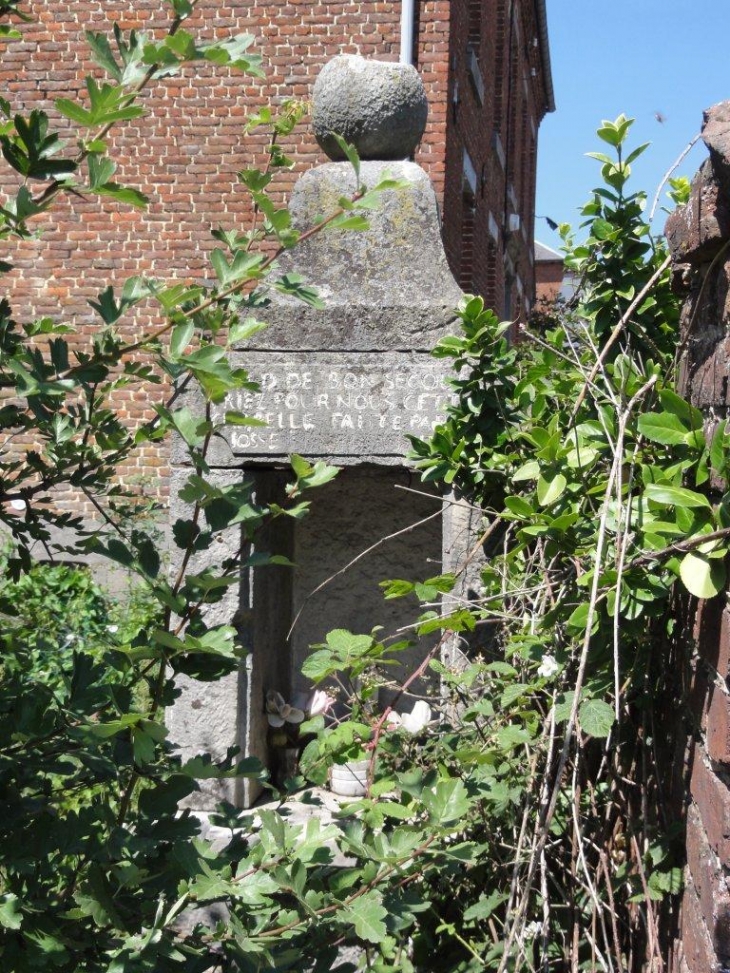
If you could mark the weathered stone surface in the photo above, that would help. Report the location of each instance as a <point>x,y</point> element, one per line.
<point>210,717</point>
<point>697,950</point>
<point>462,524</point>
<point>378,106</point>
<point>710,884</point>
<point>712,796</point>
<point>204,718</point>
<point>709,378</point>
<point>387,287</point>
<point>716,136</point>
<point>705,324</point>
<point>360,507</point>
<point>362,405</point>
<point>696,231</point>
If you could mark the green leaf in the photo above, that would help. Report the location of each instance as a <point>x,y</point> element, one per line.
<point>102,54</point>
<point>176,295</point>
<point>521,508</point>
<point>433,587</point>
<point>183,44</point>
<point>180,338</point>
<point>255,179</point>
<point>101,169</point>
<point>238,419</point>
<point>143,746</point>
<point>77,113</point>
<point>680,407</point>
<point>664,427</point>
<point>581,457</point>
<point>702,576</point>
<point>529,471</point>
<point>447,802</point>
<point>191,427</point>
<point>675,496</point>
<point>639,150</point>
<point>367,914</point>
<point>602,229</point>
<point>548,491</point>
<point>350,153</point>
<point>596,718</point>
<point>244,265</point>
<point>309,475</point>
<point>600,157</point>
<point>348,646</point>
<point>396,588</point>
<point>564,706</point>
<point>578,619</point>
<point>105,731</point>
<point>95,899</point>
<point>347,222</point>
<point>107,307</point>
<point>124,194</point>
<point>212,885</point>
<point>243,330</point>
<point>669,882</point>
<point>484,906</point>
<point>512,693</point>
<point>319,665</point>
<point>11,916</point>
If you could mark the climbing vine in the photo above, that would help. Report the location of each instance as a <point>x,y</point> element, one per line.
<point>557,729</point>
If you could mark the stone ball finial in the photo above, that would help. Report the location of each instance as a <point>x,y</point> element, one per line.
<point>378,106</point>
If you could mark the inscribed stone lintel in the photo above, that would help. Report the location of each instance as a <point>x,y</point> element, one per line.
<point>358,404</point>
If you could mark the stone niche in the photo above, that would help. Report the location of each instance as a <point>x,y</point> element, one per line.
<point>347,384</point>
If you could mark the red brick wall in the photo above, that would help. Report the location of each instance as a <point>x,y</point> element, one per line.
<point>703,943</point>
<point>185,154</point>
<point>697,234</point>
<point>496,123</point>
<point>548,280</point>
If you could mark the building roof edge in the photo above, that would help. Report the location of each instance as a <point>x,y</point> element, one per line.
<point>541,8</point>
<point>546,254</point>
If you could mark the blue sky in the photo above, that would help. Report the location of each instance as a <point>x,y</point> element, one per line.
<point>639,57</point>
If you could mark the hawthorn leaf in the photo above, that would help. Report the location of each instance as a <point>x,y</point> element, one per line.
<point>367,914</point>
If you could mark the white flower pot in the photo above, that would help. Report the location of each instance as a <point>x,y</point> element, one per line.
<point>350,779</point>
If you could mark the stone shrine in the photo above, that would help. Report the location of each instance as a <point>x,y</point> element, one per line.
<point>346,383</point>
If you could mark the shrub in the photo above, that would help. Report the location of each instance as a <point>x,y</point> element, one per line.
<point>501,838</point>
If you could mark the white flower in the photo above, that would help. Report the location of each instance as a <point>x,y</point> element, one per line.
<point>414,721</point>
<point>112,628</point>
<point>279,712</point>
<point>315,703</point>
<point>318,703</point>
<point>532,930</point>
<point>548,667</point>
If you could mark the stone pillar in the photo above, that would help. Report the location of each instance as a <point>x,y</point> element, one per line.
<point>345,383</point>
<point>699,240</point>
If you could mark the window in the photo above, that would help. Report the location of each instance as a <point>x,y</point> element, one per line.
<point>468,221</point>
<point>474,28</point>
<point>466,257</point>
